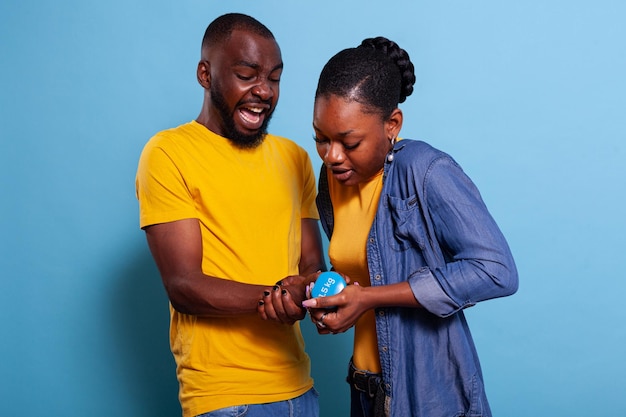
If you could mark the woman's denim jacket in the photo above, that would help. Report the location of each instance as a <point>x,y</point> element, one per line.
<point>433,230</point>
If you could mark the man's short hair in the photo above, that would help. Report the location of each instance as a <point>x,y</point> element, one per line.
<point>222,27</point>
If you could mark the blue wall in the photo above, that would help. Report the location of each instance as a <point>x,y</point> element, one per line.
<point>528,96</point>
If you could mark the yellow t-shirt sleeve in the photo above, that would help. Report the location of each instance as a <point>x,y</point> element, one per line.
<point>161,190</point>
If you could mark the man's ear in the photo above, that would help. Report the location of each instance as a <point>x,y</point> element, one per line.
<point>204,74</point>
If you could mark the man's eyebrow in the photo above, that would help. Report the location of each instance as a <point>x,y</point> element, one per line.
<point>255,65</point>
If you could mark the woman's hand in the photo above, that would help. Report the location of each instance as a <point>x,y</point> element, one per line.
<point>355,300</point>
<point>338,313</point>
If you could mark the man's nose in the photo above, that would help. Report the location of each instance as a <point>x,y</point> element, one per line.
<point>263,90</point>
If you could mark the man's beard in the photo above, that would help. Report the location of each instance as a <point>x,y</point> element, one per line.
<point>231,133</point>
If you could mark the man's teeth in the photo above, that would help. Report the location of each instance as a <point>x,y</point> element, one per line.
<point>251,114</point>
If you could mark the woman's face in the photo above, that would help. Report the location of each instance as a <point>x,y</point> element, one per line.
<point>352,141</point>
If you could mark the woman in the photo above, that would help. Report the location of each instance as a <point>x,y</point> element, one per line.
<point>410,228</point>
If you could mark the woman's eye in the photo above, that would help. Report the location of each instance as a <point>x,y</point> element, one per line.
<point>318,140</point>
<point>244,77</point>
<point>350,147</point>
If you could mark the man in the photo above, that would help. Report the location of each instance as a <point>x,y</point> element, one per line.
<point>228,211</point>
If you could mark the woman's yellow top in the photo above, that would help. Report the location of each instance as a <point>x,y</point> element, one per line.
<point>354,209</point>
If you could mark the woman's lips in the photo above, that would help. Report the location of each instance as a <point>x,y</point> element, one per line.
<point>342,174</point>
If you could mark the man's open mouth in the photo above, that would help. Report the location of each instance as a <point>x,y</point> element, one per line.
<point>252,116</point>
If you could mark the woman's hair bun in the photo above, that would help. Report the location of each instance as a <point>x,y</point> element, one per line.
<point>400,57</point>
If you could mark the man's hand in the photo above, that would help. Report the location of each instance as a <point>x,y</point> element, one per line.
<point>283,301</point>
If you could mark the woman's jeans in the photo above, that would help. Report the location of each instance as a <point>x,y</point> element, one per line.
<point>306,405</point>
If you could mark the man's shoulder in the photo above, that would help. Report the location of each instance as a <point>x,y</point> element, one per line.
<point>173,132</point>
<point>280,139</point>
<point>176,139</point>
<point>284,142</point>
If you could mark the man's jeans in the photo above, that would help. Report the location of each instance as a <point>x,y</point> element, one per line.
<point>306,405</point>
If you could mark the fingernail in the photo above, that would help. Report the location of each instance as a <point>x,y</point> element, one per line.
<point>284,292</point>
<point>261,303</point>
<point>275,287</point>
<point>279,283</point>
<point>266,293</point>
<point>309,303</point>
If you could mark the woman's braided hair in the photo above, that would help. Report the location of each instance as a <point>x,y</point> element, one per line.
<point>378,74</point>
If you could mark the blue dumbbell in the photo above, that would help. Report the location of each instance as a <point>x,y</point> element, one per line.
<point>328,283</point>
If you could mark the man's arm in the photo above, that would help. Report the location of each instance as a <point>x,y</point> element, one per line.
<point>177,251</point>
<point>312,256</point>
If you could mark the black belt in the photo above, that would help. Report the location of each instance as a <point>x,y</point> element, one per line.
<point>372,385</point>
<point>363,381</point>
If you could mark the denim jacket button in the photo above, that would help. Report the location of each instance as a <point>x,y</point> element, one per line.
<point>377,277</point>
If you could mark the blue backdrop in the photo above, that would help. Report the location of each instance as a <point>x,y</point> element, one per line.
<point>528,96</point>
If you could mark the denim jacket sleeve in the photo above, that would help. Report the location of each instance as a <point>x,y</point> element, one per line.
<point>467,255</point>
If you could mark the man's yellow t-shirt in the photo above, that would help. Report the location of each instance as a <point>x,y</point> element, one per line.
<point>249,204</point>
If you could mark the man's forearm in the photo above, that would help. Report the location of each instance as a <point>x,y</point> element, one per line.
<point>206,296</point>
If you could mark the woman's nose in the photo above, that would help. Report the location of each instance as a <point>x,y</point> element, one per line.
<point>334,154</point>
